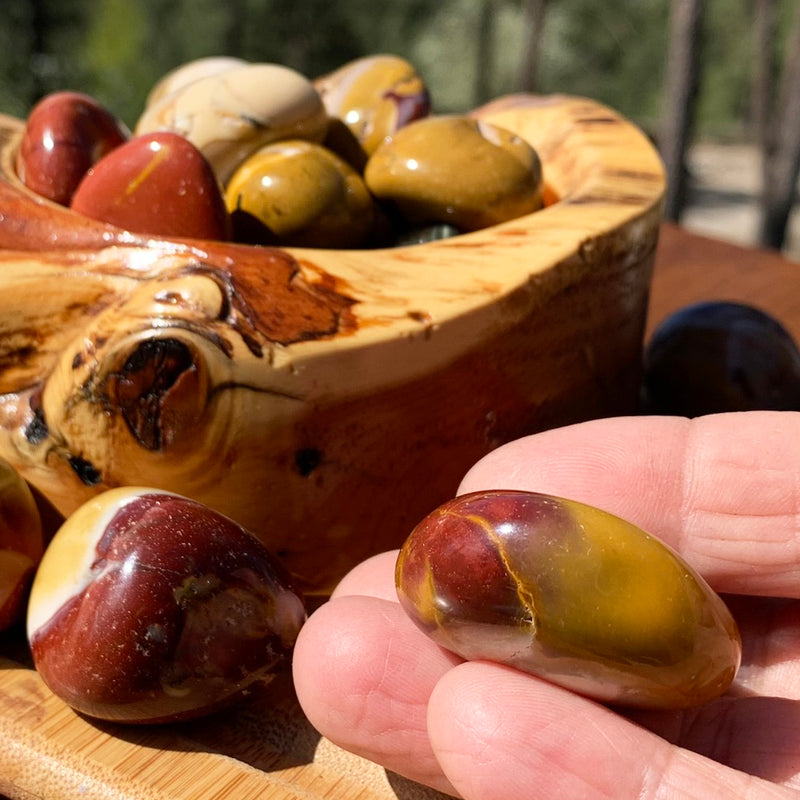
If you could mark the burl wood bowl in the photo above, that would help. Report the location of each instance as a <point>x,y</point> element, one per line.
<point>325,399</point>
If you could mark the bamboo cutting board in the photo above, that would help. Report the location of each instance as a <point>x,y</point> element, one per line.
<point>263,749</point>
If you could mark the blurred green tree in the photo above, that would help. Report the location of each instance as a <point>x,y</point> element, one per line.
<point>686,41</point>
<point>468,51</point>
<point>780,139</point>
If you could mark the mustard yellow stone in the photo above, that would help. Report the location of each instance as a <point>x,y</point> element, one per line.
<point>374,96</point>
<point>299,193</point>
<point>457,170</point>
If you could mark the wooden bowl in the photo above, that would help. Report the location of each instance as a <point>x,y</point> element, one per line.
<point>326,399</point>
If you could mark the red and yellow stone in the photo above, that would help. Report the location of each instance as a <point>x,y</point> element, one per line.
<point>570,593</point>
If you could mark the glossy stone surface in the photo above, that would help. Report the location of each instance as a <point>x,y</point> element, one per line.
<point>720,356</point>
<point>190,72</point>
<point>230,115</point>
<point>65,134</point>
<point>158,184</point>
<point>21,543</point>
<point>374,97</point>
<point>428,233</point>
<point>456,170</point>
<point>570,593</point>
<point>150,607</point>
<point>299,193</point>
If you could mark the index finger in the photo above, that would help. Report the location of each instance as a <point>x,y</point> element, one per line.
<point>723,490</point>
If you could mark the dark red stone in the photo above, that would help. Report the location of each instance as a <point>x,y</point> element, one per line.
<point>65,134</point>
<point>467,534</point>
<point>185,611</point>
<point>159,184</point>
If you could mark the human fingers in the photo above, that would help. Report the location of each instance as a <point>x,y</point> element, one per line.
<point>364,678</point>
<point>757,735</point>
<point>724,490</point>
<point>770,629</point>
<point>373,578</point>
<point>644,469</point>
<point>363,674</point>
<point>499,733</point>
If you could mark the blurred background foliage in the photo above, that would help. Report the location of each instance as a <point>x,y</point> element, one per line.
<point>687,71</point>
<point>468,50</point>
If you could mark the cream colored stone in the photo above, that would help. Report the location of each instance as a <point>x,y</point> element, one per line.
<point>230,115</point>
<point>190,72</point>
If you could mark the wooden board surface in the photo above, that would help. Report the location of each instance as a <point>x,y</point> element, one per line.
<point>266,749</point>
<point>690,268</point>
<point>263,749</point>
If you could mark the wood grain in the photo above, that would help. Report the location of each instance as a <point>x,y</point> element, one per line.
<point>326,399</point>
<point>413,363</point>
<point>263,749</point>
<point>266,749</point>
<point>691,268</point>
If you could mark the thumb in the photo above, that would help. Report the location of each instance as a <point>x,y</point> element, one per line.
<point>498,733</point>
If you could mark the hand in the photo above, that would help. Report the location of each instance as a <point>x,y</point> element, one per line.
<point>722,490</point>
